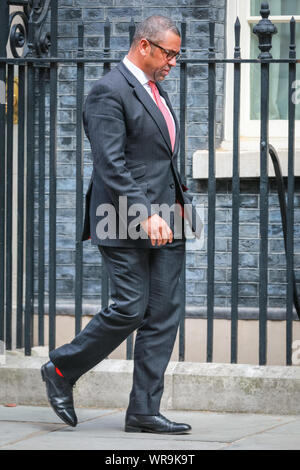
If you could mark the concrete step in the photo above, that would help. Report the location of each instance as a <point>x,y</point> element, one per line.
<point>188,386</point>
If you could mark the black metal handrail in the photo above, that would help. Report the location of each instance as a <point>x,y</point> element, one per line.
<point>283,212</point>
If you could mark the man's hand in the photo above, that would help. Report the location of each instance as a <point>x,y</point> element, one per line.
<point>157,230</point>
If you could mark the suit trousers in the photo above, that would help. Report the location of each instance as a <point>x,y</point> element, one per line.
<point>145,297</point>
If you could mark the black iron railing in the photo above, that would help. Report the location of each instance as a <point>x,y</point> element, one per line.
<point>39,59</point>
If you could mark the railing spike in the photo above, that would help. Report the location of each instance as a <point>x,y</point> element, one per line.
<point>237,32</point>
<point>292,54</point>
<point>107,35</point>
<point>131,30</point>
<point>80,27</point>
<point>183,36</point>
<point>265,30</point>
<point>211,53</point>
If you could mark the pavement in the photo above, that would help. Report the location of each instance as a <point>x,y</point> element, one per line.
<point>38,428</point>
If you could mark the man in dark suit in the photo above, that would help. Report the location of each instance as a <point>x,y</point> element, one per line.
<point>134,137</point>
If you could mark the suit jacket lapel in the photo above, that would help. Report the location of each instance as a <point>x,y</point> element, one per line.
<point>148,103</point>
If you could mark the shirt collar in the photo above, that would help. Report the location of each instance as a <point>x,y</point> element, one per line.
<point>136,71</point>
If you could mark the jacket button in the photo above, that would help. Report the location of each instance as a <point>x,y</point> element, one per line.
<point>172,185</point>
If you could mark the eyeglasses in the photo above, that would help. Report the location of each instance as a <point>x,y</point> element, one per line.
<point>169,53</point>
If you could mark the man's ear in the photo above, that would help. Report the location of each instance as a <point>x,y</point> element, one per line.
<point>144,47</point>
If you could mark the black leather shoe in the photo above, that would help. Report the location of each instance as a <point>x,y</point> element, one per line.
<point>60,394</point>
<point>154,423</point>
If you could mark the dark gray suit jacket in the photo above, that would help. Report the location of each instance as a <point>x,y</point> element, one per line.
<point>132,155</point>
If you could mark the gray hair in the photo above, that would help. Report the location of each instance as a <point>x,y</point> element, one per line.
<point>154,28</point>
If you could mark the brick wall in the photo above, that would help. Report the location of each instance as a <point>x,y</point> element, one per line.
<point>197,14</point>
<point>249,246</point>
<point>94,13</point>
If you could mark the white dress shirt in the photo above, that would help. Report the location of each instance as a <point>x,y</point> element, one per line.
<point>143,79</point>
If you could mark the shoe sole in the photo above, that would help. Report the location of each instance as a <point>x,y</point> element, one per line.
<point>136,429</point>
<point>57,414</point>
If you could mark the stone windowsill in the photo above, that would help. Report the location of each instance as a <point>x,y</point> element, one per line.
<point>249,159</point>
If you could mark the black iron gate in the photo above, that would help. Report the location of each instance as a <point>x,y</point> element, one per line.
<point>37,71</point>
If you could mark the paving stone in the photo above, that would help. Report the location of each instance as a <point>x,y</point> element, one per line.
<point>35,428</point>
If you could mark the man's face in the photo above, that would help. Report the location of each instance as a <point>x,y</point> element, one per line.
<point>156,64</point>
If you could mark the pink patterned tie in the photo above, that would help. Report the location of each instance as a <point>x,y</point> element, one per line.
<point>164,111</point>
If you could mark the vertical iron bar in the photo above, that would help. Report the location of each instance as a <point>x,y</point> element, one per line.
<point>107,31</point>
<point>131,31</point>
<point>211,194</point>
<point>291,190</point>
<point>104,274</point>
<point>183,86</point>
<point>9,202</point>
<point>4,21</point>
<point>106,68</point>
<point>52,179</point>
<point>41,209</point>
<point>264,30</point>
<point>79,182</point>
<point>235,195</point>
<point>129,347</point>
<point>21,185</point>
<point>104,287</point>
<point>28,320</point>
<point>183,92</point>
<point>264,214</point>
